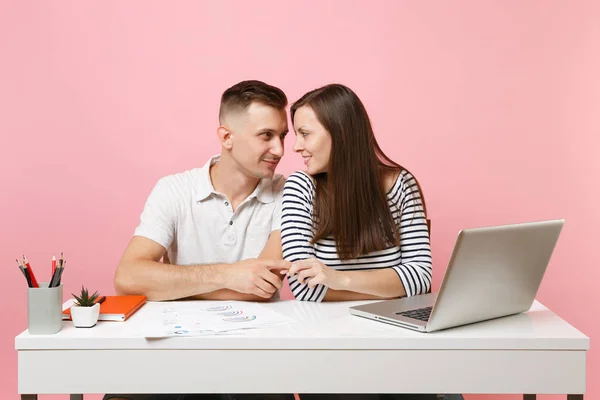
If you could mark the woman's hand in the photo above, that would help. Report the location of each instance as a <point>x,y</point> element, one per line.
<point>313,272</point>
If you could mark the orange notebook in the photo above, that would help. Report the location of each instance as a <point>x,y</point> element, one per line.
<point>115,308</point>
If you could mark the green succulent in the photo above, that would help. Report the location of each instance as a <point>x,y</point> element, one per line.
<point>85,300</point>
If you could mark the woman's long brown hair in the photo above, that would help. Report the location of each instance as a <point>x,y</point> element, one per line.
<point>350,200</point>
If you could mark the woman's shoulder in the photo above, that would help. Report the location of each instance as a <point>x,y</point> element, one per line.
<point>391,179</point>
<point>395,179</point>
<point>300,180</point>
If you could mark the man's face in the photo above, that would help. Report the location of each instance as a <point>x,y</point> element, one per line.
<point>257,139</point>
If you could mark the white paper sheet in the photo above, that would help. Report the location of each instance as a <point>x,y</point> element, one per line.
<point>202,318</point>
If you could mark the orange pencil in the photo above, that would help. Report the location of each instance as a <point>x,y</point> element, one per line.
<point>31,274</point>
<point>53,264</point>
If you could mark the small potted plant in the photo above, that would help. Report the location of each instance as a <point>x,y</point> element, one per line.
<point>85,311</point>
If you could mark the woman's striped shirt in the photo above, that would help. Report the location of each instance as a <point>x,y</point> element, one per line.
<point>411,260</point>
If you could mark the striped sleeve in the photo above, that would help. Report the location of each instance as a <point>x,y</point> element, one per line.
<point>297,231</point>
<point>415,269</point>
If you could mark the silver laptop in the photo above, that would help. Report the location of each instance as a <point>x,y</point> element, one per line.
<point>493,272</point>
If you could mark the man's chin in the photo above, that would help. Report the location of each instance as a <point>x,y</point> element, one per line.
<point>266,174</point>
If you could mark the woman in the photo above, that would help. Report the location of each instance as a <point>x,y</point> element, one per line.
<point>354,225</point>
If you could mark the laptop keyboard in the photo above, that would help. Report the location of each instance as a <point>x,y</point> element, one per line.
<point>421,314</point>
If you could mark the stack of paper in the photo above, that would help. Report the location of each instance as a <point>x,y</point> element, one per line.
<point>199,318</point>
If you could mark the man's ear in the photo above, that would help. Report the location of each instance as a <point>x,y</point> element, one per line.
<point>224,137</point>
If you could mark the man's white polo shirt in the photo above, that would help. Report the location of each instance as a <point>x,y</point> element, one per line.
<point>197,225</point>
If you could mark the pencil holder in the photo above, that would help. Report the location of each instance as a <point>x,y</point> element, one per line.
<point>44,309</point>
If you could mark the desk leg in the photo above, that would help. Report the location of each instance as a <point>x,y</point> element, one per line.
<point>76,397</point>
<point>569,397</point>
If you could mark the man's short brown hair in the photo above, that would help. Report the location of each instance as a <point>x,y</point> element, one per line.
<point>239,97</point>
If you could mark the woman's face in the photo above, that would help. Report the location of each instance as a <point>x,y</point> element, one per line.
<point>313,141</point>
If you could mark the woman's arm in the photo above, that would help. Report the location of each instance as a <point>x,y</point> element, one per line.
<point>348,285</point>
<point>415,269</point>
<point>413,275</point>
<point>297,231</point>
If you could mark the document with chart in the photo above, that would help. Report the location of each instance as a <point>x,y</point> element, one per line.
<point>201,318</point>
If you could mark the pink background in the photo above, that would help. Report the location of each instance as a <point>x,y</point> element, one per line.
<point>494,105</point>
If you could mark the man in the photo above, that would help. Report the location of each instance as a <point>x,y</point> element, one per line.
<point>213,225</point>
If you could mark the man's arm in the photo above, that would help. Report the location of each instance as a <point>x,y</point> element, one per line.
<point>272,250</point>
<point>140,272</point>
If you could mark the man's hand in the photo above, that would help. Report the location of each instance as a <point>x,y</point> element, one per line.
<point>259,277</point>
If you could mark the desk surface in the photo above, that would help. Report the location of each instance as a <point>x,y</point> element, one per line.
<point>325,326</point>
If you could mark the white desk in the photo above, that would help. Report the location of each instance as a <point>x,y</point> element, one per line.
<point>327,351</point>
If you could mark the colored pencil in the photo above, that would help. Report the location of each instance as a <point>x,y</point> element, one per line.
<point>24,273</point>
<point>31,274</point>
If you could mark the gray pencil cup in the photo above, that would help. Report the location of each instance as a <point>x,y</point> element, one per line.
<point>44,309</point>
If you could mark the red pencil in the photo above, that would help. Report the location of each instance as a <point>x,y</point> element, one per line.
<point>33,280</point>
<point>53,264</point>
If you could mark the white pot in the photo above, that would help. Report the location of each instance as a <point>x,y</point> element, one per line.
<point>85,317</point>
